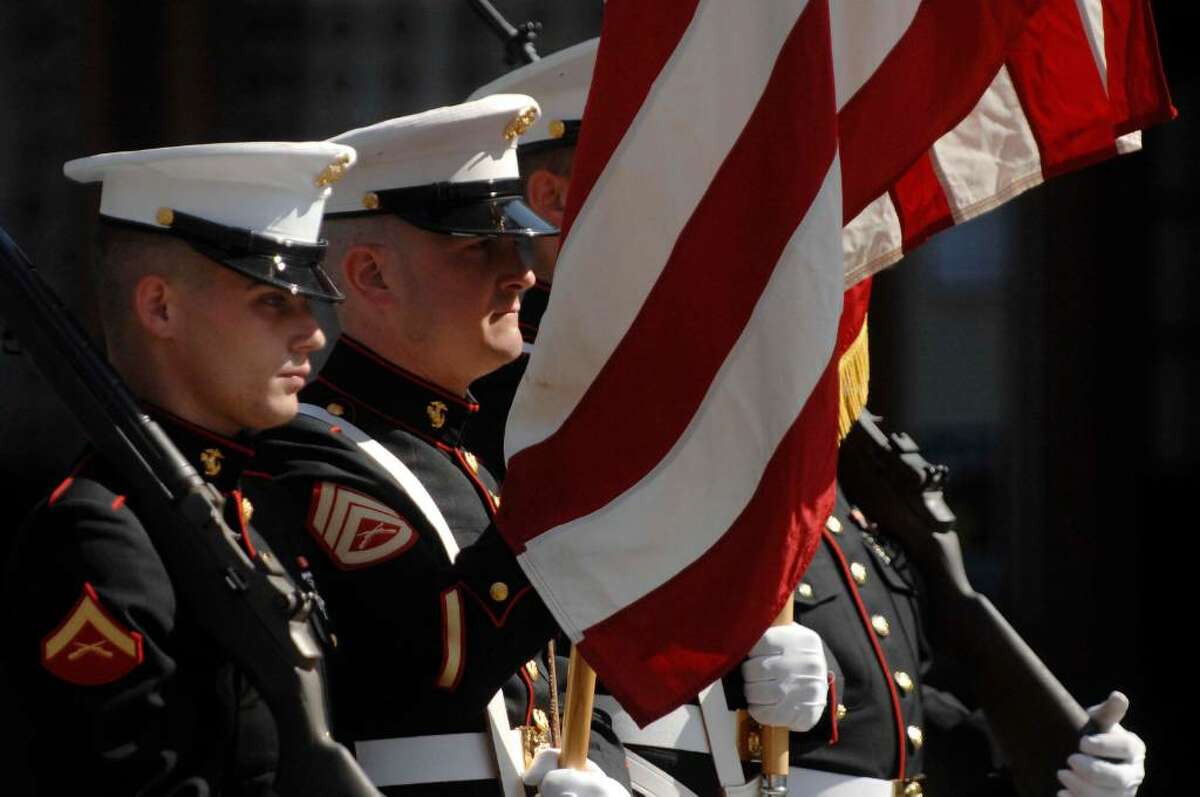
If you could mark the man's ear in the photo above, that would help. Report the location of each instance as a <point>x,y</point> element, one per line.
<point>155,305</point>
<point>362,268</point>
<point>547,195</point>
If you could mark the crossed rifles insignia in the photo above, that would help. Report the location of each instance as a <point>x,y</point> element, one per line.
<point>90,647</point>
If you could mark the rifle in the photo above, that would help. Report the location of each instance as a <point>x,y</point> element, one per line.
<point>1035,719</point>
<point>518,40</point>
<point>249,607</point>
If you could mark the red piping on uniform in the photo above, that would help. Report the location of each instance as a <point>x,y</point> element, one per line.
<point>529,689</point>
<point>257,474</point>
<point>393,421</point>
<point>833,704</point>
<point>901,737</point>
<point>512,602</point>
<point>60,489</point>
<point>361,348</point>
<point>118,502</point>
<point>480,487</point>
<point>200,430</point>
<point>241,514</point>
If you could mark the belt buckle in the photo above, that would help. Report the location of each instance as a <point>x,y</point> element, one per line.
<point>909,787</point>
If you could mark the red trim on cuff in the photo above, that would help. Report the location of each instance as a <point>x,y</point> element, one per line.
<point>833,709</point>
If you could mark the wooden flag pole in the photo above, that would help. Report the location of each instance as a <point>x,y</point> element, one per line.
<point>774,739</point>
<point>577,723</point>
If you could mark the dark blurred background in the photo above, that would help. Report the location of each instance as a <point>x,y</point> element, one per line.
<point>1047,352</point>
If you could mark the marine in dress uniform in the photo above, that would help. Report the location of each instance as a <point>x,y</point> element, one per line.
<point>125,694</point>
<point>372,489</point>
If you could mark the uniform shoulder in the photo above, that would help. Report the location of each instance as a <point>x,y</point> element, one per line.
<point>313,450</point>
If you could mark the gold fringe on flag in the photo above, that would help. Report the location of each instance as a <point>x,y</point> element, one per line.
<point>854,374</point>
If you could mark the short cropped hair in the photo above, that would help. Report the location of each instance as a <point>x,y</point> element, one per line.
<point>124,254</point>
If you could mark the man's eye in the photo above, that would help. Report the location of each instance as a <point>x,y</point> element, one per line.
<point>273,300</point>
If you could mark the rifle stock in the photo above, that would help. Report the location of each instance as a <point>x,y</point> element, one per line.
<point>249,607</point>
<point>1036,721</point>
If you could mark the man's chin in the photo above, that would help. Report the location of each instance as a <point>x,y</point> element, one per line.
<point>275,412</point>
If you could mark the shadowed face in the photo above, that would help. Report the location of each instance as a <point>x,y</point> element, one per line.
<point>456,301</point>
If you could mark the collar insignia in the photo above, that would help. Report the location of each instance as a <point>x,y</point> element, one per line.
<point>436,410</point>
<point>211,458</point>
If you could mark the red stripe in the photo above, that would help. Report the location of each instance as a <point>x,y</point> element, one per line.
<point>699,306</point>
<point>854,312</point>
<point>764,554</point>
<point>927,84</point>
<point>635,41</point>
<point>920,203</point>
<point>1137,88</point>
<point>1059,86</point>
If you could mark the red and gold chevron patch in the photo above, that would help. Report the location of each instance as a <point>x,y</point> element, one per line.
<point>89,647</point>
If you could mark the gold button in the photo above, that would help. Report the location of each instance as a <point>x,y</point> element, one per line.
<point>333,408</point>
<point>532,668</point>
<point>834,525</point>
<point>913,789</point>
<point>370,200</point>
<point>805,591</point>
<point>881,625</point>
<point>247,509</point>
<point>499,592</point>
<point>916,736</point>
<point>540,720</point>
<point>841,712</point>
<point>472,461</point>
<point>165,216</point>
<point>558,128</point>
<point>904,681</point>
<point>859,572</point>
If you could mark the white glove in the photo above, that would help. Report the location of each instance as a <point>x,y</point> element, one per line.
<point>1089,776</point>
<point>786,678</point>
<point>554,782</point>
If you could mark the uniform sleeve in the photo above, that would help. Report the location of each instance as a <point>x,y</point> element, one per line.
<point>89,607</point>
<point>421,636</point>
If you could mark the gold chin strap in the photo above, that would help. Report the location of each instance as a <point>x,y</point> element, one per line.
<point>854,376</point>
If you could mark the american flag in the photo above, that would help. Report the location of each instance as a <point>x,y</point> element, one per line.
<point>672,447</point>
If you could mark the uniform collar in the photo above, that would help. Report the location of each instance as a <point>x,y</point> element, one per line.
<point>218,459</point>
<point>533,306</point>
<point>401,398</point>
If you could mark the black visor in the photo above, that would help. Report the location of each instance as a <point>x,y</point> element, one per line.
<point>484,208</point>
<point>294,266</point>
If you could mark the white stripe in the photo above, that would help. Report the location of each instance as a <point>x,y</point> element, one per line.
<point>649,188</point>
<point>1130,142</point>
<point>991,156</point>
<point>597,564</point>
<point>862,35</point>
<point>871,241</point>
